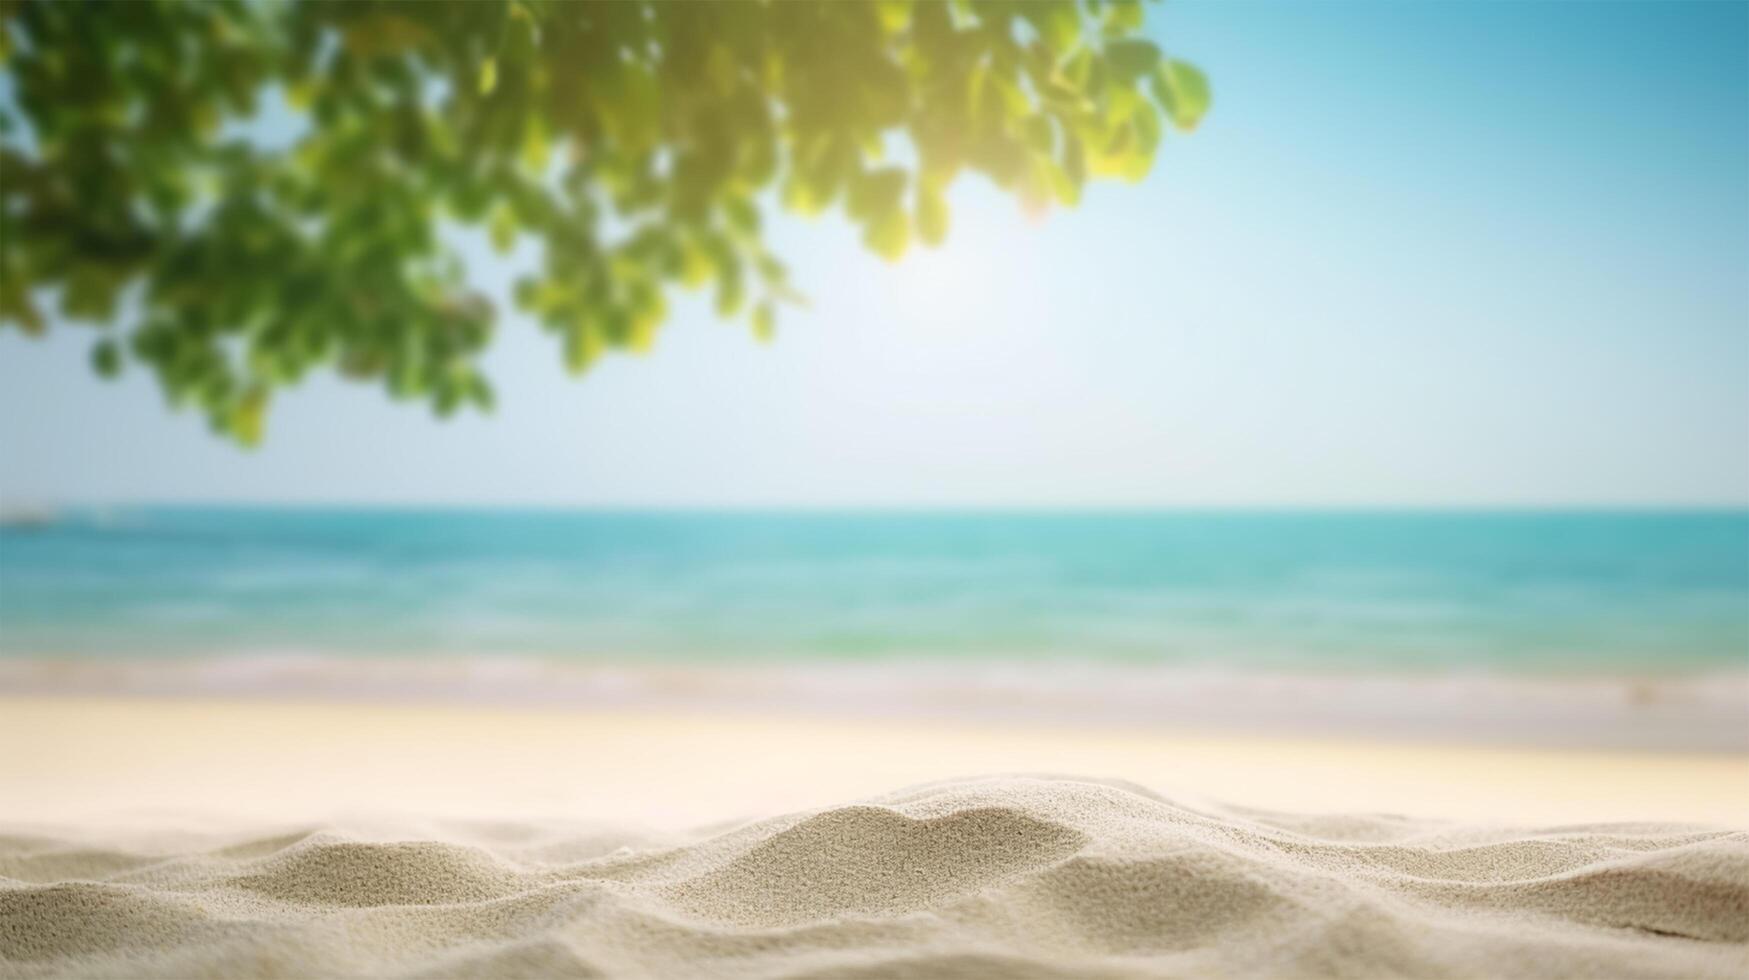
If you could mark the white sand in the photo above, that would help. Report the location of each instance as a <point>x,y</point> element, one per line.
<point>1010,876</point>
<point>235,862</point>
<point>63,760</point>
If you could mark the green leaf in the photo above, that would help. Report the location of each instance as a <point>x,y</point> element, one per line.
<point>876,192</point>
<point>249,418</point>
<point>696,267</point>
<point>582,345</point>
<point>481,394</point>
<point>895,15</point>
<point>1184,91</point>
<point>1058,24</point>
<point>1123,17</point>
<point>764,321</point>
<point>742,215</point>
<point>931,213</point>
<point>300,95</point>
<point>535,146</point>
<point>106,358</point>
<point>1146,123</point>
<point>503,228</point>
<point>1075,162</point>
<point>731,292</point>
<point>888,234</point>
<point>488,76</point>
<point>642,336</point>
<point>1066,188</point>
<point>1131,59</point>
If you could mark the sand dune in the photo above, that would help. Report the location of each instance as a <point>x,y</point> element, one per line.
<point>1005,876</point>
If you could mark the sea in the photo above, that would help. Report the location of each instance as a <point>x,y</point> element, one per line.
<point>1536,592</point>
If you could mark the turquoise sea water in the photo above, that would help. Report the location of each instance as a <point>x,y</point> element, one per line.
<point>1386,590</point>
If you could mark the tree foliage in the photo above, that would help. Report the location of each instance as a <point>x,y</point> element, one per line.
<point>639,144</point>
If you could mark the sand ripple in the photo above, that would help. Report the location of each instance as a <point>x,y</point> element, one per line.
<point>1015,876</point>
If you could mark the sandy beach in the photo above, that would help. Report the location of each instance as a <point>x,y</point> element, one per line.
<point>874,491</point>
<point>177,838</point>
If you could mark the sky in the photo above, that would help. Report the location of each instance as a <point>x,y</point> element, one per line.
<point>1418,254</point>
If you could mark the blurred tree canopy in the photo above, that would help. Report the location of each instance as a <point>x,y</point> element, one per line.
<point>638,143</point>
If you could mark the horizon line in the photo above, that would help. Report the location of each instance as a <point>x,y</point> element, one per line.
<point>7,504</point>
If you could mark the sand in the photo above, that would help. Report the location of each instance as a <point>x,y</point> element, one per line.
<point>234,762</point>
<point>1028,876</point>
<point>230,838</point>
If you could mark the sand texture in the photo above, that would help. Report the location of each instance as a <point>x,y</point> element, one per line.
<point>1004,876</point>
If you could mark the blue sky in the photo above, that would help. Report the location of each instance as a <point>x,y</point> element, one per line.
<point>1419,254</point>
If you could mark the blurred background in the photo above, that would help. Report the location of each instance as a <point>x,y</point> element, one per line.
<point>1406,399</point>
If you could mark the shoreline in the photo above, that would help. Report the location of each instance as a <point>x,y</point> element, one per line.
<point>1677,713</point>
